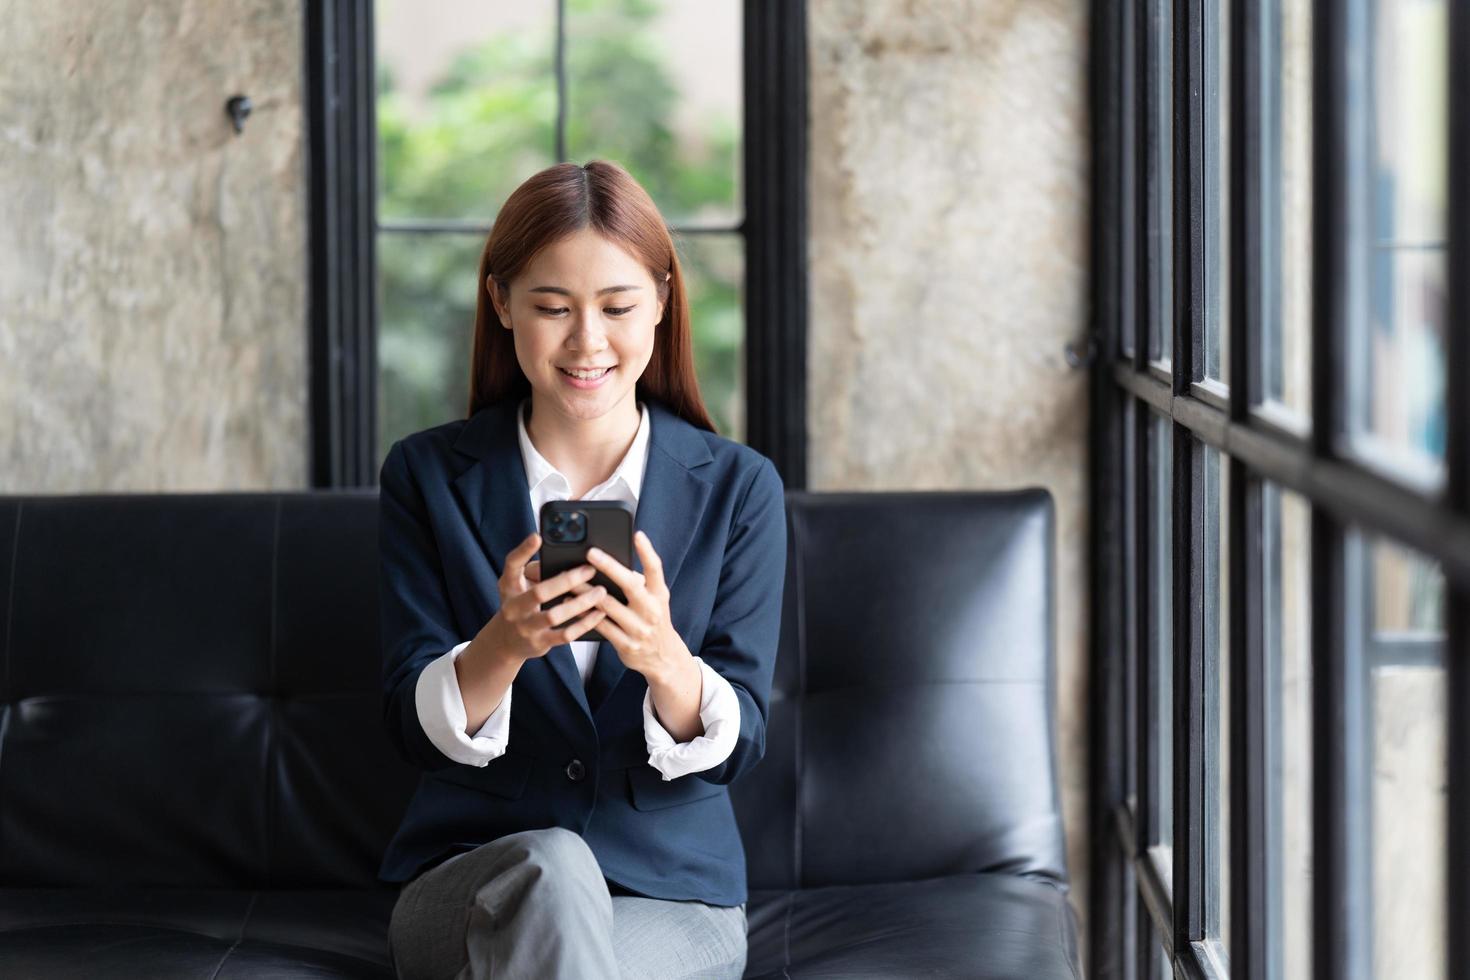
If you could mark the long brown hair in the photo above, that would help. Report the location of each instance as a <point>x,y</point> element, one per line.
<point>549,205</point>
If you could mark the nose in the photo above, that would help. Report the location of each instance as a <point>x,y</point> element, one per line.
<point>587,335</point>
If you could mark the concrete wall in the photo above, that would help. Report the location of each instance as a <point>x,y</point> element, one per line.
<point>152,263</point>
<point>949,180</point>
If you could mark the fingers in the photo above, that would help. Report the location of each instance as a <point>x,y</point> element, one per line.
<point>569,633</point>
<point>653,565</point>
<point>614,569</point>
<point>558,614</point>
<point>631,626</point>
<point>558,584</point>
<point>619,613</point>
<point>533,570</point>
<point>614,635</point>
<point>516,558</point>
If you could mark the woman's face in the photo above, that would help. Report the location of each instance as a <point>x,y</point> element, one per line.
<point>582,302</point>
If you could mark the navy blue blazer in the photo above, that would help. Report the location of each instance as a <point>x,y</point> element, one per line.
<point>454,501</point>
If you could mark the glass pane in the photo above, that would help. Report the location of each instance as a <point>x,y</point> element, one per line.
<point>656,86</point>
<point>1403,653</point>
<point>1398,400</point>
<point>426,310</point>
<point>1161,627</point>
<point>1133,507</point>
<point>1286,554</point>
<point>1287,143</point>
<point>1128,222</point>
<point>1217,189</point>
<point>1159,146</point>
<point>1132,904</point>
<point>1159,968</point>
<point>1217,695</point>
<point>466,105</point>
<point>714,271</point>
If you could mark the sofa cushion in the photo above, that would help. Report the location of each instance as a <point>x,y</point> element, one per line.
<point>187,932</point>
<point>965,925</point>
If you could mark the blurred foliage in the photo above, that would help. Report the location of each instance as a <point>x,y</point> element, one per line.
<point>489,122</point>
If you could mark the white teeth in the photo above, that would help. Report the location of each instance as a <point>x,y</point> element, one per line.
<point>585,375</point>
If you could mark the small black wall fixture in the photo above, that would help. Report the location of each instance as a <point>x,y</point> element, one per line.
<point>237,108</point>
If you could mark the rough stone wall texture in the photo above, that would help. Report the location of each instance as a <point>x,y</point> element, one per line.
<point>949,181</point>
<point>152,293</point>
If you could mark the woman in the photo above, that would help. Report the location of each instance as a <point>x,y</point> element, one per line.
<point>573,819</point>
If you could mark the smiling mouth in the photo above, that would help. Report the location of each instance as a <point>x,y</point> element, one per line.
<point>585,375</point>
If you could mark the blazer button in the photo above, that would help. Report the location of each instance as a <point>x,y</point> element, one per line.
<point>575,770</point>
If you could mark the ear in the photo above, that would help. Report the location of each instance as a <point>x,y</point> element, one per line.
<point>500,312</point>
<point>661,305</point>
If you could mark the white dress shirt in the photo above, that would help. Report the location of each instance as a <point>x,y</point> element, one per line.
<point>440,704</point>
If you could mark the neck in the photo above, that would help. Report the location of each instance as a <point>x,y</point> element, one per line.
<point>585,450</point>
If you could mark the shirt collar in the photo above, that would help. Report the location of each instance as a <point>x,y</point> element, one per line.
<point>629,470</point>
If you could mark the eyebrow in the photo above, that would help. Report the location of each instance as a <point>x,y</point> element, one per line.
<point>567,292</point>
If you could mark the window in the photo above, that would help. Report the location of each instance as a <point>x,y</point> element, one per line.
<point>1214,553</point>
<point>468,109</point>
<point>422,124</point>
<point>1217,193</point>
<point>1397,351</point>
<point>1287,728</point>
<point>1282,488</point>
<point>1158,156</point>
<point>1398,630</point>
<point>1161,639</point>
<point>1283,100</point>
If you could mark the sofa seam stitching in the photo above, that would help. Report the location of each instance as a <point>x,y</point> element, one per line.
<point>244,921</point>
<point>786,937</point>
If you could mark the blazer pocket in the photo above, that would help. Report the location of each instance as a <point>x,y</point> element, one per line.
<point>505,776</point>
<point>652,792</point>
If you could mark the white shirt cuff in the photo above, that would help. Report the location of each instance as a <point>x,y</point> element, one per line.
<point>442,714</point>
<point>719,709</point>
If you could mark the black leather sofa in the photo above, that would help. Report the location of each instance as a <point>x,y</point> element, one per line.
<point>194,779</point>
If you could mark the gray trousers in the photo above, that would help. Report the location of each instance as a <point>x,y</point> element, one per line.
<point>535,905</point>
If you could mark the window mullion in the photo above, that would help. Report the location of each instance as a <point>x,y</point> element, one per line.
<point>1341,899</point>
<point>1457,450</point>
<point>1187,320</point>
<point>560,56</point>
<point>1187,649</point>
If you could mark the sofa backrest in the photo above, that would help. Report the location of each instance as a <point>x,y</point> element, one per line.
<point>189,688</point>
<point>911,729</point>
<point>189,692</point>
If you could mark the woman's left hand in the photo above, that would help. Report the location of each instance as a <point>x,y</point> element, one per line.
<point>640,630</point>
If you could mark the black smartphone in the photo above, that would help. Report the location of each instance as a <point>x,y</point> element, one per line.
<point>569,528</point>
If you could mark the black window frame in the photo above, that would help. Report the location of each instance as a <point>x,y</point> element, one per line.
<point>343,225</point>
<point>1129,899</point>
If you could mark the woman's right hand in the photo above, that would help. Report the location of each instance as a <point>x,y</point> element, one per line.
<point>521,629</point>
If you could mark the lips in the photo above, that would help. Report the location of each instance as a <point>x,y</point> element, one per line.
<point>591,383</point>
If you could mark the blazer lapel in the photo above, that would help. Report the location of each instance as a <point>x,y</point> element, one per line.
<point>671,503</point>
<point>496,499</point>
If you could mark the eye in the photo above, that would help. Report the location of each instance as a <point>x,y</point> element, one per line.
<point>611,310</point>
